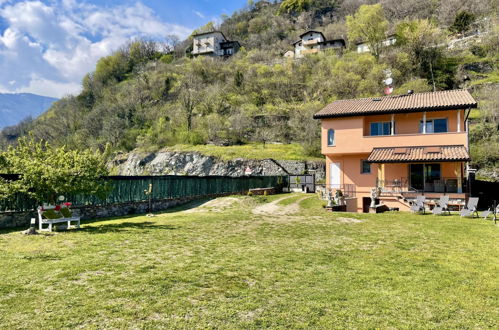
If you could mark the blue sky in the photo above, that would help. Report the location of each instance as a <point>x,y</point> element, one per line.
<point>47,46</point>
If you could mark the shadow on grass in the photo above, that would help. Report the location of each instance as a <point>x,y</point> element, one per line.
<point>185,207</point>
<point>125,226</point>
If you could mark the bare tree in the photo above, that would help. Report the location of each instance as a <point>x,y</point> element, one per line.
<point>190,95</point>
<point>170,44</point>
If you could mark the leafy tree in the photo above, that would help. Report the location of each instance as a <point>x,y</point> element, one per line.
<point>422,41</point>
<point>369,25</point>
<point>294,6</point>
<point>462,21</point>
<point>208,27</point>
<point>47,172</point>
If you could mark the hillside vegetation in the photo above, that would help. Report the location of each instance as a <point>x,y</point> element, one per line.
<point>147,98</point>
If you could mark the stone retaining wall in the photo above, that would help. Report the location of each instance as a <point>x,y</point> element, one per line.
<point>193,163</point>
<point>22,219</point>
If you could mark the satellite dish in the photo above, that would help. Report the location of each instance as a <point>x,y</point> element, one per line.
<point>388,90</point>
<point>388,81</point>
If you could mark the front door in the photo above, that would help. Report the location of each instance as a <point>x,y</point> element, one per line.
<point>334,175</point>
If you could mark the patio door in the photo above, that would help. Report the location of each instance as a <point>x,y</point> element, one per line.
<point>416,176</point>
<point>423,176</point>
<point>334,175</point>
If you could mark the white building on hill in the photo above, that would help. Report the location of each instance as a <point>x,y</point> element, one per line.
<point>363,47</point>
<point>213,43</point>
<point>312,42</point>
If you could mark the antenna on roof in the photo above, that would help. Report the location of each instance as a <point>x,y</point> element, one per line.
<point>388,82</point>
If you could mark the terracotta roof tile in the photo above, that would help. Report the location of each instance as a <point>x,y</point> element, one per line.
<point>419,154</point>
<point>431,101</point>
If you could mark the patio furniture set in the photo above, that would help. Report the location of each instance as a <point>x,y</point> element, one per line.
<point>442,207</point>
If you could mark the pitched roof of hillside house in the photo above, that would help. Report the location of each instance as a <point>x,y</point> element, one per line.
<point>431,101</point>
<point>312,31</point>
<point>209,32</point>
<point>419,154</point>
<point>323,37</point>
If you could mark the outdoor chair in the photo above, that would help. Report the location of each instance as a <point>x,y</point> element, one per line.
<point>485,214</point>
<point>470,208</point>
<point>439,186</point>
<point>442,205</point>
<point>418,204</point>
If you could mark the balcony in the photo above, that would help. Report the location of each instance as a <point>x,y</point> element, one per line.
<point>203,51</point>
<point>353,142</point>
<point>311,42</point>
<point>445,185</point>
<point>310,51</point>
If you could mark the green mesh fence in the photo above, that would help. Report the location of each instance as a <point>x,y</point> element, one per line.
<point>133,189</point>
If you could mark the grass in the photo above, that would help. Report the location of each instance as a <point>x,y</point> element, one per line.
<point>250,151</point>
<point>489,78</point>
<point>224,267</point>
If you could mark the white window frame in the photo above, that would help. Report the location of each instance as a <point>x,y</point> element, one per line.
<point>432,120</point>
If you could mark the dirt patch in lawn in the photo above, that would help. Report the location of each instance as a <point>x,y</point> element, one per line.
<point>348,220</point>
<point>274,208</point>
<point>215,205</point>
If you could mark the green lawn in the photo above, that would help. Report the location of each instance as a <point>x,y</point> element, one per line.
<point>251,151</point>
<point>247,262</point>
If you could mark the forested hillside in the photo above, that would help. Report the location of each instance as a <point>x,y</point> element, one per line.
<point>152,95</point>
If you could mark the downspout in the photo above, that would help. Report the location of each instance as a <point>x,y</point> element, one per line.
<point>467,170</point>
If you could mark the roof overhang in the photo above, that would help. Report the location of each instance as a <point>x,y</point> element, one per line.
<point>390,111</point>
<point>405,103</point>
<point>312,31</point>
<point>444,153</point>
<point>209,32</point>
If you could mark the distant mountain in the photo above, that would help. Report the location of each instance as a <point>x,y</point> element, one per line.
<point>16,107</point>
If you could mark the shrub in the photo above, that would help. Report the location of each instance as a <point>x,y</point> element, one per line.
<point>47,172</point>
<point>462,21</point>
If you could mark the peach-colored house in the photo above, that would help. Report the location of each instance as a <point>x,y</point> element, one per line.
<point>406,145</point>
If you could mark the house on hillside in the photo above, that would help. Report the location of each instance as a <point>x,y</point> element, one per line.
<point>363,47</point>
<point>405,145</point>
<point>312,42</point>
<point>213,43</point>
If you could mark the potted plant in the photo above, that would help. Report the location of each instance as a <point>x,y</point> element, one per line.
<point>340,199</point>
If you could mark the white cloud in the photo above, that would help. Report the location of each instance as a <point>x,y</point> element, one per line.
<point>47,48</point>
<point>45,87</point>
<point>198,14</point>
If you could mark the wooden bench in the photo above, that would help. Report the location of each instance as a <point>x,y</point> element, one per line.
<point>43,220</point>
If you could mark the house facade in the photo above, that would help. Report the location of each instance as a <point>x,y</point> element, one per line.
<point>312,42</point>
<point>214,43</point>
<point>363,47</point>
<point>405,145</point>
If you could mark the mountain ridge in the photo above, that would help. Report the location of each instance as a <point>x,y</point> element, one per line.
<point>16,107</point>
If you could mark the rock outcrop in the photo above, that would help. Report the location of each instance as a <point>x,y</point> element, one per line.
<point>192,163</point>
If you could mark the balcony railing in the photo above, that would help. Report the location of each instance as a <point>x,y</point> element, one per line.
<point>347,190</point>
<point>442,185</point>
<point>311,42</point>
